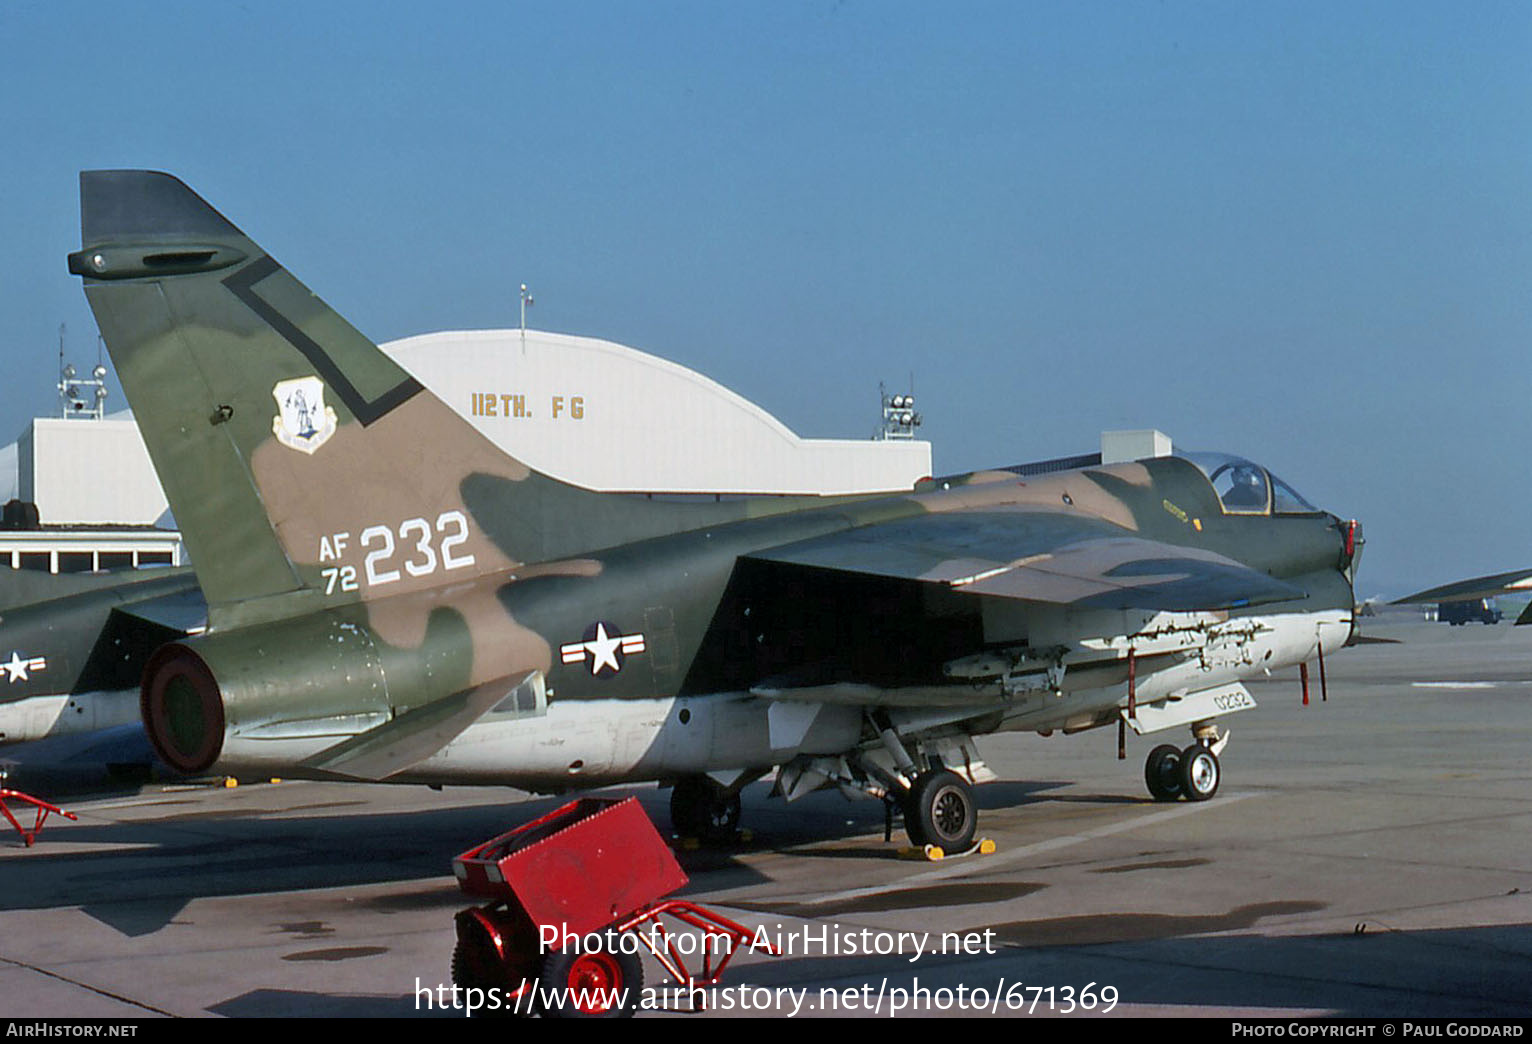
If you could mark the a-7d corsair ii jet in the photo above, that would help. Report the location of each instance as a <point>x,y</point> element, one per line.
<point>391,597</point>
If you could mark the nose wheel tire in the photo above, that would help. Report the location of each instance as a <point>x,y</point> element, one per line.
<point>1198,773</point>
<point>1162,772</point>
<point>939,810</point>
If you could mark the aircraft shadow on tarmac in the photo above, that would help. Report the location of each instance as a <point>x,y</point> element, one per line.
<point>181,856</point>
<point>1162,963</point>
<point>1155,960</point>
<point>282,1003</point>
<point>178,857</point>
<point>1152,960</point>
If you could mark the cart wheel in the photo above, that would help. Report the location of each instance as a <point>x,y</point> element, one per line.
<point>701,808</point>
<point>590,984</point>
<point>468,973</point>
<point>465,976</point>
<point>475,963</point>
<point>462,977</point>
<point>478,961</point>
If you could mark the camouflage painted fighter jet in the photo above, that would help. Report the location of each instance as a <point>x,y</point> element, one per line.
<point>390,597</point>
<point>73,648</point>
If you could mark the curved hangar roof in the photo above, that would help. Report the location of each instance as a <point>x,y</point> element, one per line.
<point>613,418</point>
<point>590,412</point>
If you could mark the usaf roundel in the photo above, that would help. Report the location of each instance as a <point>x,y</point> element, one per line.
<point>303,422</point>
<point>605,647</point>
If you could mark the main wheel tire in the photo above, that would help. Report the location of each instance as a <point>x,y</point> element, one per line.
<point>1162,772</point>
<point>701,808</point>
<point>1198,773</point>
<point>939,810</point>
<point>590,984</point>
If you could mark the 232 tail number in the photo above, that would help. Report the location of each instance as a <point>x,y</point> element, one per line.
<point>416,551</point>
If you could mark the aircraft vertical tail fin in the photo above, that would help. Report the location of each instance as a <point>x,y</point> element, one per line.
<point>302,464</point>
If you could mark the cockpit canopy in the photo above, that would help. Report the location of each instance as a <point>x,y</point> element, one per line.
<point>1246,488</point>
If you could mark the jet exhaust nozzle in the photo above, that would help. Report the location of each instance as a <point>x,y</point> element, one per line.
<point>182,709</point>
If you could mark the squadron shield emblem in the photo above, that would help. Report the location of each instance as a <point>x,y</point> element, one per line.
<point>303,422</point>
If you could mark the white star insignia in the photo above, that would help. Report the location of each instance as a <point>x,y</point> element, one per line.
<point>17,668</point>
<point>602,650</point>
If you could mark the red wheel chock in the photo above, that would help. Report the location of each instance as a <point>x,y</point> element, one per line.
<point>43,809</point>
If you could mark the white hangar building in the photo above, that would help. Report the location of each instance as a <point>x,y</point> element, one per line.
<point>612,418</point>
<point>590,412</point>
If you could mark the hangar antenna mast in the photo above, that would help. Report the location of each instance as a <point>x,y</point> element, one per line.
<point>76,399</point>
<point>526,302</point>
<point>899,417</point>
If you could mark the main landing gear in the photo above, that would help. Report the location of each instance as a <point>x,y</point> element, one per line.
<point>939,810</point>
<point>937,803</point>
<point>1193,772</point>
<point>703,808</point>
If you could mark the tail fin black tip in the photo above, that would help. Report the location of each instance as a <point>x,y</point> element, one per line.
<point>123,205</point>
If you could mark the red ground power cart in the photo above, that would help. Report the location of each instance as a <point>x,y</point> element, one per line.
<point>577,898</point>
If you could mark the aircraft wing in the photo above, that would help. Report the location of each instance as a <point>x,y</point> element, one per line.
<point>850,694</point>
<point>1479,587</point>
<point>1039,556</point>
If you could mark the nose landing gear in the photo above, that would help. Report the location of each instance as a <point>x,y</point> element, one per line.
<point>1198,773</point>
<point>1162,772</point>
<point>1192,773</point>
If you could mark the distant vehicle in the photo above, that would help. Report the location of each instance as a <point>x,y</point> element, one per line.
<point>1480,610</point>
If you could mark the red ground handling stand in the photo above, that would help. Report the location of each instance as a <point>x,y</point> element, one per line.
<point>576,893</point>
<point>42,807</point>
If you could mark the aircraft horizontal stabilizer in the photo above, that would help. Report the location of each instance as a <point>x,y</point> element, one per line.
<point>1044,558</point>
<point>412,737</point>
<point>182,611</point>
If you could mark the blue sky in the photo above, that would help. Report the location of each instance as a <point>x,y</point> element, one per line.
<point>1300,232</point>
